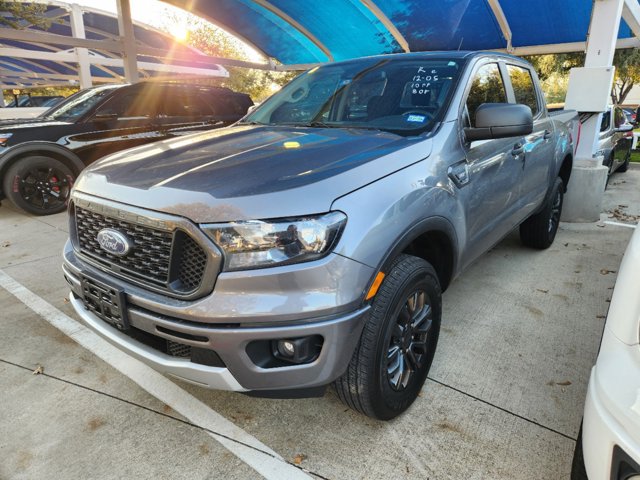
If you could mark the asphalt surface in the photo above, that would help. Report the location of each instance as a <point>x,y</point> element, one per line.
<point>504,399</point>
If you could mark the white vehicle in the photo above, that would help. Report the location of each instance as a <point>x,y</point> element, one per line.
<point>611,424</point>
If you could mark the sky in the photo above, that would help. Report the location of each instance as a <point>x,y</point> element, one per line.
<point>158,14</point>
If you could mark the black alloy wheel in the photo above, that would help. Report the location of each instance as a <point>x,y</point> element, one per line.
<point>539,230</point>
<point>556,210</point>
<point>408,347</point>
<point>39,185</point>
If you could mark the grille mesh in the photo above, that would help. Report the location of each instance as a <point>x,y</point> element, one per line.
<point>156,259</point>
<point>192,263</point>
<point>178,349</point>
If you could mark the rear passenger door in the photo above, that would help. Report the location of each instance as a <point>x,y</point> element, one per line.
<point>493,168</point>
<point>538,156</point>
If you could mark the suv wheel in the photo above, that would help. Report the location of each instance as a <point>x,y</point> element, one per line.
<point>38,185</point>
<point>539,230</point>
<point>398,342</point>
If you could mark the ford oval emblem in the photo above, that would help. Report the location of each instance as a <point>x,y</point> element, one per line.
<point>114,242</point>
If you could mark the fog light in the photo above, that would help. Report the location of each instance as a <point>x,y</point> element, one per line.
<point>286,348</point>
<point>297,350</point>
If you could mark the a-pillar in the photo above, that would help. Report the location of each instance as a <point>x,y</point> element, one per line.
<point>125,29</point>
<point>583,201</point>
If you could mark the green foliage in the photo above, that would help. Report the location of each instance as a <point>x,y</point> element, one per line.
<point>64,91</point>
<point>23,15</point>
<point>627,64</point>
<point>553,71</point>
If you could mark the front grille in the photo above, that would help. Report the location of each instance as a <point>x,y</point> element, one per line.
<point>171,261</point>
<point>178,349</point>
<point>202,356</point>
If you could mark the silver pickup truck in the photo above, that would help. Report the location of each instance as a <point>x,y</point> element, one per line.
<point>309,243</point>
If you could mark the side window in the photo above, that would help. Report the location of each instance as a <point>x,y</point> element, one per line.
<point>523,88</point>
<point>136,104</point>
<point>486,87</point>
<point>606,121</point>
<point>619,117</point>
<point>184,104</point>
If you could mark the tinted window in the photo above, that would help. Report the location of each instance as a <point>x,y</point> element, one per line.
<point>138,103</point>
<point>486,87</point>
<point>181,103</point>
<point>606,121</point>
<point>523,87</point>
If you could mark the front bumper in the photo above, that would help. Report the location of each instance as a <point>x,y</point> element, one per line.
<point>611,425</point>
<point>209,323</point>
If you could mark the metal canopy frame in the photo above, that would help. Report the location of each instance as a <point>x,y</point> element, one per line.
<point>28,56</point>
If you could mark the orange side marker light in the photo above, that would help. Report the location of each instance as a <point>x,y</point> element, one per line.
<point>376,285</point>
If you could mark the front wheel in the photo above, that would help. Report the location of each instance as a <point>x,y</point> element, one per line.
<point>539,230</point>
<point>398,342</point>
<point>38,185</point>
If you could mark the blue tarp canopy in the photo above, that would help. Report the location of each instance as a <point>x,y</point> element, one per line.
<point>305,31</point>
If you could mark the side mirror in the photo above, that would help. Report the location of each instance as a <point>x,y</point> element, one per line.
<point>500,120</point>
<point>105,116</point>
<point>625,127</point>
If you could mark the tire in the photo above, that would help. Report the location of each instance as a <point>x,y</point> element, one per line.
<point>625,166</point>
<point>38,185</point>
<point>578,470</point>
<point>398,342</point>
<point>539,230</point>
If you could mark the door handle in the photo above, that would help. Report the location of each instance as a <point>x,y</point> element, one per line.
<point>518,149</point>
<point>547,135</point>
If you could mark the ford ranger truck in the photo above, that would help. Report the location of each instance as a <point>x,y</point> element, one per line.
<point>309,243</point>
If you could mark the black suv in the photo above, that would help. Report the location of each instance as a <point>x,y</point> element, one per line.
<point>41,157</point>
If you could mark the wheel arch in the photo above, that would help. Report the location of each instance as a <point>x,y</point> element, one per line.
<point>434,240</point>
<point>565,170</point>
<point>46,149</point>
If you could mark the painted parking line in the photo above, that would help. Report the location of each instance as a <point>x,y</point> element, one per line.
<point>619,224</point>
<point>243,445</point>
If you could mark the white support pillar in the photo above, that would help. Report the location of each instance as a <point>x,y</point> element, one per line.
<point>125,28</point>
<point>82,54</point>
<point>583,201</point>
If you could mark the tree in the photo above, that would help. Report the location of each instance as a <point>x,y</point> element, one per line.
<point>627,64</point>
<point>553,71</point>
<point>213,41</point>
<point>23,15</point>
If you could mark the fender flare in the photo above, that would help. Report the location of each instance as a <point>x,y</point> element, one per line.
<point>24,149</point>
<point>430,224</point>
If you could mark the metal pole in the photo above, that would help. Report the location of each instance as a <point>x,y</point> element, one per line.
<point>125,28</point>
<point>77,30</point>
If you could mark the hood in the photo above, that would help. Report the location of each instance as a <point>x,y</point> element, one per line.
<point>250,172</point>
<point>14,124</point>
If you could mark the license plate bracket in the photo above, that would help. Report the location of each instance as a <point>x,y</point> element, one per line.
<point>106,301</point>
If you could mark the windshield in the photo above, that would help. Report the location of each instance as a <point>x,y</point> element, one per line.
<point>402,96</point>
<point>78,104</point>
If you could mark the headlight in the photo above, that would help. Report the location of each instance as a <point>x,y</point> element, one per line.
<point>4,138</point>
<point>258,244</point>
